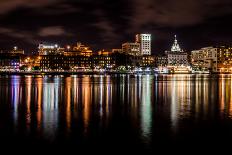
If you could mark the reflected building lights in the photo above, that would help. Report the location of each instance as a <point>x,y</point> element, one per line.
<point>230,104</point>
<point>108,95</point>
<point>173,103</point>
<point>146,111</point>
<point>50,111</point>
<point>68,103</point>
<point>222,94</point>
<point>39,111</point>
<point>86,92</point>
<point>206,97</point>
<point>15,97</point>
<point>101,95</point>
<point>122,88</point>
<point>28,92</point>
<point>75,92</point>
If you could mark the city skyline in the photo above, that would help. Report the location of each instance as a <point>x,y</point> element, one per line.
<point>105,24</point>
<point>120,47</point>
<point>119,76</point>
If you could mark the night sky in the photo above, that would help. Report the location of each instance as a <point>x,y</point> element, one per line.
<point>107,23</point>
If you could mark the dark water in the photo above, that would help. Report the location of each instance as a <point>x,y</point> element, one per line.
<point>119,112</point>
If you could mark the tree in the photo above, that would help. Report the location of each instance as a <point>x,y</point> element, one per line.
<point>23,67</point>
<point>36,68</point>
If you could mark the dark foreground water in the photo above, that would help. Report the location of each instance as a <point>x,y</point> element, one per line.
<point>117,112</point>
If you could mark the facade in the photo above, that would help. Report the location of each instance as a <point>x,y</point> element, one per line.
<point>213,59</point>
<point>145,43</point>
<point>224,59</point>
<point>143,61</point>
<point>161,61</point>
<point>131,48</point>
<point>9,62</point>
<point>104,60</point>
<point>50,49</point>
<point>177,59</point>
<point>61,62</point>
<point>117,50</point>
<point>204,59</point>
<point>83,50</point>
<point>54,58</point>
<point>15,50</point>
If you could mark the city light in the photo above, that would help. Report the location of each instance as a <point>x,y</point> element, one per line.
<point>132,58</point>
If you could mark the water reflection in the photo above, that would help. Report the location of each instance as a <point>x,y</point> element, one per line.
<point>146,108</point>
<point>54,106</point>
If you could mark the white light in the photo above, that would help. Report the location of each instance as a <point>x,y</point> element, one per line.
<point>48,47</point>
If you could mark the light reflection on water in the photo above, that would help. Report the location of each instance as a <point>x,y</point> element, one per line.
<point>50,106</point>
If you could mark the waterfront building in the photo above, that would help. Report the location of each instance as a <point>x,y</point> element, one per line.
<point>177,59</point>
<point>145,43</point>
<point>62,62</point>
<point>15,50</point>
<point>143,61</point>
<point>131,48</point>
<point>161,61</point>
<point>117,50</point>
<point>104,59</point>
<point>55,58</point>
<point>50,49</point>
<point>204,59</point>
<point>9,62</point>
<point>83,49</point>
<point>212,59</point>
<point>122,59</point>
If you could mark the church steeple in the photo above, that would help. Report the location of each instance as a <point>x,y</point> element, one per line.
<point>175,46</point>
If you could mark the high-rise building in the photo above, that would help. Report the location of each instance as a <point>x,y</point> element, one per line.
<point>145,43</point>
<point>131,48</point>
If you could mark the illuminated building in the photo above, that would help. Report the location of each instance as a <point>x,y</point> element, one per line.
<point>215,59</point>
<point>10,60</point>
<point>204,59</point>
<point>117,50</point>
<point>177,59</point>
<point>104,52</point>
<point>55,58</point>
<point>78,50</point>
<point>145,43</point>
<point>143,61</point>
<point>161,61</point>
<point>61,62</point>
<point>131,48</point>
<point>83,50</point>
<point>15,50</point>
<point>104,59</point>
<point>50,49</point>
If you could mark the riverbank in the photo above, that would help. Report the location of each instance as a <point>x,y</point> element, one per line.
<point>66,73</point>
<point>93,72</point>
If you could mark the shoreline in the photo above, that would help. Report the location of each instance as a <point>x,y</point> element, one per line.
<point>100,73</point>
